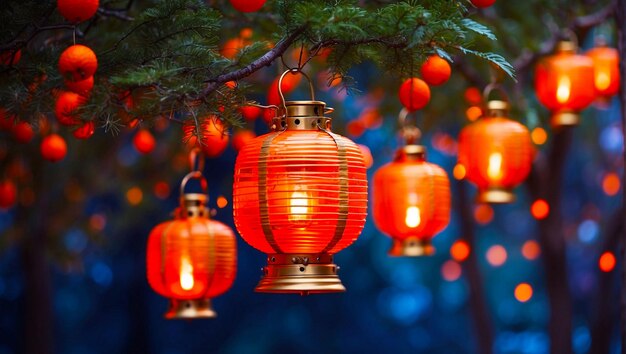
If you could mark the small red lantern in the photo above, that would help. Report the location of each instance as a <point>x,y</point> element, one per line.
<point>300,195</point>
<point>411,198</point>
<point>563,84</point>
<point>192,258</point>
<point>606,70</point>
<point>496,153</point>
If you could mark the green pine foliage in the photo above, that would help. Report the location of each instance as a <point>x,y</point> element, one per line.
<point>165,54</point>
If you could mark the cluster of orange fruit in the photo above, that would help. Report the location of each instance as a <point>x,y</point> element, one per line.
<point>414,92</point>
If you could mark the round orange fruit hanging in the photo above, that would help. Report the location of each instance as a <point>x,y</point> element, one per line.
<point>82,87</point>
<point>77,11</point>
<point>78,63</point>
<point>482,3</point>
<point>436,70</point>
<point>23,132</point>
<point>85,131</point>
<point>66,105</point>
<point>606,70</point>
<point>300,196</point>
<point>411,198</point>
<point>191,259</point>
<point>53,148</point>
<point>564,84</point>
<point>213,139</point>
<point>496,153</point>
<point>144,141</point>
<point>414,94</point>
<point>247,5</point>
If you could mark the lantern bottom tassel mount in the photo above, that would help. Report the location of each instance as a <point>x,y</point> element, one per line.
<point>302,274</point>
<point>565,118</point>
<point>495,195</point>
<point>411,247</point>
<point>190,309</point>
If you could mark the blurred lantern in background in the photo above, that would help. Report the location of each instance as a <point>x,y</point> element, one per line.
<point>563,83</point>
<point>411,197</point>
<point>192,258</point>
<point>606,69</point>
<point>300,196</point>
<point>496,153</point>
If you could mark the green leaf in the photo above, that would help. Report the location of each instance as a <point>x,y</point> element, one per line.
<point>497,59</point>
<point>478,28</point>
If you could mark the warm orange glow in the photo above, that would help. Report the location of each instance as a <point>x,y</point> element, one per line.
<point>531,250</point>
<point>539,136</point>
<point>523,292</point>
<point>606,70</point>
<point>222,202</point>
<point>602,79</point>
<point>460,250</point>
<point>299,206</point>
<point>494,169</point>
<point>540,209</point>
<point>412,218</point>
<point>473,113</point>
<point>496,255</point>
<point>564,87</point>
<point>611,184</point>
<point>161,190</point>
<point>134,195</point>
<point>483,214</point>
<point>607,261</point>
<point>367,155</point>
<point>459,171</point>
<point>451,270</point>
<point>186,274</point>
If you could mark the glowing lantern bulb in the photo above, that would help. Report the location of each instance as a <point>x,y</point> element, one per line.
<point>494,170</point>
<point>299,205</point>
<point>563,90</point>
<point>186,274</point>
<point>412,219</point>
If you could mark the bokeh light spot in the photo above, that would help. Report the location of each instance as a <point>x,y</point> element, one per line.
<point>161,190</point>
<point>611,184</point>
<point>473,113</point>
<point>540,209</point>
<point>531,250</point>
<point>607,261</point>
<point>539,136</point>
<point>134,195</point>
<point>451,270</point>
<point>460,250</point>
<point>222,202</point>
<point>483,214</point>
<point>523,292</point>
<point>496,255</point>
<point>459,171</point>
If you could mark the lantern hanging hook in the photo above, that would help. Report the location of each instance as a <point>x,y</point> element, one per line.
<point>494,87</point>
<point>570,36</point>
<point>194,175</point>
<point>196,159</point>
<point>410,132</point>
<point>293,72</point>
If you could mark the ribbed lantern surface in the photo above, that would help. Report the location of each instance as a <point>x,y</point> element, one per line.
<point>191,259</point>
<point>496,153</point>
<point>564,83</point>
<point>300,195</point>
<point>411,201</point>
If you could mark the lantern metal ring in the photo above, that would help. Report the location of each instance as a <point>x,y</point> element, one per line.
<point>196,159</point>
<point>410,132</point>
<point>193,175</point>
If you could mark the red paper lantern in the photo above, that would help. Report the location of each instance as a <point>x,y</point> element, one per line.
<point>563,83</point>
<point>300,196</point>
<point>606,70</point>
<point>192,258</point>
<point>496,153</point>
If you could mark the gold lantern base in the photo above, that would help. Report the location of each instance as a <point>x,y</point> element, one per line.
<point>411,247</point>
<point>190,309</point>
<point>302,274</point>
<point>564,118</point>
<point>495,196</point>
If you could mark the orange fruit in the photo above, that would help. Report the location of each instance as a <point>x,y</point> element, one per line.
<point>8,194</point>
<point>82,87</point>
<point>78,63</point>
<point>213,137</point>
<point>85,131</point>
<point>482,3</point>
<point>23,132</point>
<point>77,11</point>
<point>414,94</point>
<point>10,57</point>
<point>250,113</point>
<point>241,138</point>
<point>53,148</point>
<point>144,141</point>
<point>436,70</point>
<point>247,5</point>
<point>66,105</point>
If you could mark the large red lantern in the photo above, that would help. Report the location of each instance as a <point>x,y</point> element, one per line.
<point>563,83</point>
<point>606,70</point>
<point>411,199</point>
<point>496,153</point>
<point>300,196</point>
<point>192,258</point>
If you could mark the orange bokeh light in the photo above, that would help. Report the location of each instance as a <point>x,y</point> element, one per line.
<point>97,222</point>
<point>483,214</point>
<point>460,250</point>
<point>523,292</point>
<point>611,184</point>
<point>496,255</point>
<point>531,250</point>
<point>607,261</point>
<point>161,190</point>
<point>459,171</point>
<point>540,209</point>
<point>539,136</point>
<point>451,270</point>
<point>473,113</point>
<point>222,202</point>
<point>134,195</point>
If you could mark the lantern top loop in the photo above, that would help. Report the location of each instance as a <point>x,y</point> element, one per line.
<point>569,44</point>
<point>495,107</point>
<point>410,132</point>
<point>193,175</point>
<point>196,159</point>
<point>294,72</point>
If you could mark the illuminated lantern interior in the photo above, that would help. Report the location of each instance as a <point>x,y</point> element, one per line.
<point>606,70</point>
<point>563,83</point>
<point>300,196</point>
<point>496,153</point>
<point>191,259</point>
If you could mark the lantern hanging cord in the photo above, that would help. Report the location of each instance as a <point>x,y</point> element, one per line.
<point>410,132</point>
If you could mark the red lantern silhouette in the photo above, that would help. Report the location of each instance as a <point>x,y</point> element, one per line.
<point>606,70</point>
<point>563,83</point>
<point>192,258</point>
<point>300,196</point>
<point>496,153</point>
<point>411,199</point>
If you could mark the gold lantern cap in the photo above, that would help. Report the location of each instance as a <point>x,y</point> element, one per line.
<point>566,46</point>
<point>497,108</point>
<point>190,309</point>
<point>495,195</point>
<point>411,247</point>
